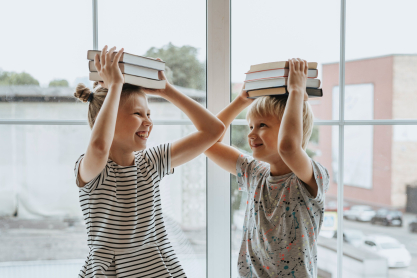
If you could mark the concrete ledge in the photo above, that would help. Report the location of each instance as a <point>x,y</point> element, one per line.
<point>357,263</point>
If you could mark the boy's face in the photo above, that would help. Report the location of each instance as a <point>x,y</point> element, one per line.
<point>263,138</point>
<point>133,124</point>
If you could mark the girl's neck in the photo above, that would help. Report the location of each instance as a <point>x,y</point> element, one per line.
<point>123,159</point>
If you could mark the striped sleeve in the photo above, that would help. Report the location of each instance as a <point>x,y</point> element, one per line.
<point>159,157</point>
<point>94,183</point>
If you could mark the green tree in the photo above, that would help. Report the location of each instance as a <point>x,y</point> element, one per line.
<point>184,69</point>
<point>13,78</point>
<point>58,83</point>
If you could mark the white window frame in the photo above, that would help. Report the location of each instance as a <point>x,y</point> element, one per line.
<point>218,96</point>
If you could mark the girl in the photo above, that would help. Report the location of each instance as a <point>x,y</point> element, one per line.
<point>118,177</point>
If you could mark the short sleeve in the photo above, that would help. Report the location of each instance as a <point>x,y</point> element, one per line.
<point>247,169</point>
<point>159,157</point>
<point>94,183</point>
<point>322,178</point>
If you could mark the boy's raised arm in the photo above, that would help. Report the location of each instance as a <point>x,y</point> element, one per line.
<point>290,135</point>
<point>223,155</point>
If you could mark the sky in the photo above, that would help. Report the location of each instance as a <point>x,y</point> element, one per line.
<point>52,42</point>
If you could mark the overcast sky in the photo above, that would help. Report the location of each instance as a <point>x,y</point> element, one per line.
<point>49,39</point>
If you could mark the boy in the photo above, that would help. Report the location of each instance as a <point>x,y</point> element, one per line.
<point>284,210</point>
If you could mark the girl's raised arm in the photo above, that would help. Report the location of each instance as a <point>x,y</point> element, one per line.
<point>102,134</point>
<point>209,127</point>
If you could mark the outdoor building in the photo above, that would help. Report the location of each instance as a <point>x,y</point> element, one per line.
<point>379,160</point>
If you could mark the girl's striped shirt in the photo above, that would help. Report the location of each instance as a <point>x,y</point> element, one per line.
<point>123,216</point>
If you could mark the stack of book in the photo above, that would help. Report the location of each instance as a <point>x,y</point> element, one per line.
<point>271,79</point>
<point>136,70</point>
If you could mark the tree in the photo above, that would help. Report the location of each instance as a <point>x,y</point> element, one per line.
<point>58,83</point>
<point>14,78</point>
<point>184,69</point>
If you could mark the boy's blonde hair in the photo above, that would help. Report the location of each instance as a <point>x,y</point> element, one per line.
<point>274,106</point>
<point>83,93</point>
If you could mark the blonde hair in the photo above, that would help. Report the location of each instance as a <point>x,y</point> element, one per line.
<point>83,93</point>
<point>274,106</point>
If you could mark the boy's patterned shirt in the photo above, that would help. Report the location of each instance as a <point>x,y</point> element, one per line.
<point>282,221</point>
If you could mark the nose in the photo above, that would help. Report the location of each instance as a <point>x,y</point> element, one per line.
<point>252,134</point>
<point>147,122</point>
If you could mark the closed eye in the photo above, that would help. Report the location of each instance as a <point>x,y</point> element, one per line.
<point>137,113</point>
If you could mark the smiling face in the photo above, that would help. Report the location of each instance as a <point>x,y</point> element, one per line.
<point>133,125</point>
<point>263,138</point>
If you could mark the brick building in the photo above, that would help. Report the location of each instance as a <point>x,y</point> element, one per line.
<point>380,160</point>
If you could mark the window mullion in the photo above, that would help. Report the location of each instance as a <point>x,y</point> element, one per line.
<point>341,140</point>
<point>218,180</point>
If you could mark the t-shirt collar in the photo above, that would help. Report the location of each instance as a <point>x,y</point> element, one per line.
<point>276,179</point>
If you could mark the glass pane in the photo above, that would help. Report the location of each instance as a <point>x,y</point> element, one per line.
<point>380,196</point>
<point>154,29</point>
<point>380,60</point>
<point>45,60</point>
<point>41,224</point>
<point>322,137</point>
<point>313,38</point>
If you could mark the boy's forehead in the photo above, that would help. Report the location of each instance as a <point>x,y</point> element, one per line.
<point>259,118</point>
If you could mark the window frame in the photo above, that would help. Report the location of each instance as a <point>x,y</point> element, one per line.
<point>218,40</point>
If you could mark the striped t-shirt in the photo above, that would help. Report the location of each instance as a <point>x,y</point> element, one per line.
<point>123,216</point>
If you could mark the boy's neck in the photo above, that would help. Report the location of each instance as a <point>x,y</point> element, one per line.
<point>278,168</point>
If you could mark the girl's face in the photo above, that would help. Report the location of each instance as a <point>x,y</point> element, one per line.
<point>263,138</point>
<point>133,124</point>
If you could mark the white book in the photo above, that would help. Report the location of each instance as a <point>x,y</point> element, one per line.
<point>135,80</point>
<point>132,59</point>
<point>311,73</point>
<point>277,82</point>
<point>131,69</point>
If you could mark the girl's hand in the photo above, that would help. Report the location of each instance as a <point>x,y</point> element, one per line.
<point>243,95</point>
<point>109,71</point>
<point>158,92</point>
<point>297,76</point>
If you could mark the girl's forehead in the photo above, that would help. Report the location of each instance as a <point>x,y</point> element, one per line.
<point>137,101</point>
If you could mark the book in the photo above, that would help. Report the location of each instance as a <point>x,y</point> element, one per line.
<point>131,69</point>
<point>311,92</point>
<point>135,80</point>
<point>132,59</point>
<point>276,82</point>
<point>278,65</point>
<point>311,73</point>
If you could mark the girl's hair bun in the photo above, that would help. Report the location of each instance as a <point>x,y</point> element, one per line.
<point>82,92</point>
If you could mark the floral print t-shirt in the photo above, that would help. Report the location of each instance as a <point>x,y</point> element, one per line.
<point>282,221</point>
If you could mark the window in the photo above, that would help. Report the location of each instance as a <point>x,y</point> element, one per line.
<point>364,133</point>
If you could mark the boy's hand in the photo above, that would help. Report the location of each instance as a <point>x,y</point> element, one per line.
<point>109,71</point>
<point>158,92</point>
<point>243,95</point>
<point>297,76</point>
